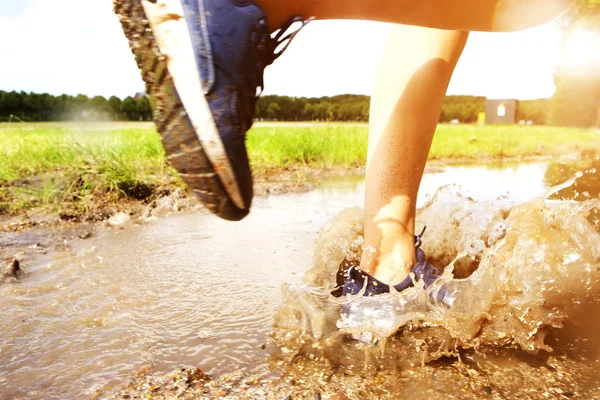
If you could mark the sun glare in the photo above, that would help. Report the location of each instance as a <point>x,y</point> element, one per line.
<point>582,47</point>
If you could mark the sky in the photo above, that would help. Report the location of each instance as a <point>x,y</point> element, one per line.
<point>77,47</point>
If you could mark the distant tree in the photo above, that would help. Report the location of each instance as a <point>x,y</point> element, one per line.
<point>462,108</point>
<point>273,111</point>
<point>285,111</point>
<point>115,105</point>
<point>322,111</point>
<point>143,109</point>
<point>308,112</point>
<point>30,106</point>
<point>261,107</point>
<point>47,107</point>
<point>533,110</point>
<point>129,109</point>
<point>3,105</point>
<point>15,104</point>
<point>78,107</point>
<point>61,107</point>
<point>98,108</point>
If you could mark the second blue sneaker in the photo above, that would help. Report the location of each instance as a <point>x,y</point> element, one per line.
<point>356,280</point>
<point>203,61</point>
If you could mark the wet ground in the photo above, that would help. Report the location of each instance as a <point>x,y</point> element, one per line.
<point>91,307</point>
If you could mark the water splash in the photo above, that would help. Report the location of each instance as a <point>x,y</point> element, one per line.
<point>512,272</point>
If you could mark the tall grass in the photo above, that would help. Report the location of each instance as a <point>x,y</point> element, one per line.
<point>306,145</point>
<point>58,164</point>
<point>474,142</point>
<point>324,145</point>
<point>111,153</point>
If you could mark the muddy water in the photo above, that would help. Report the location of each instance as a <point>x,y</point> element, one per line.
<point>521,276</point>
<point>187,290</point>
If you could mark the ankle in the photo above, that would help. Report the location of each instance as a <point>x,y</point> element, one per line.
<point>394,269</point>
<point>394,260</point>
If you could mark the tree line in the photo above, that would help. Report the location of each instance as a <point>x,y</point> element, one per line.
<point>574,104</point>
<point>32,107</point>
<point>348,107</point>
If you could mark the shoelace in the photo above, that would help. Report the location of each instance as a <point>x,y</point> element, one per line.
<point>419,237</point>
<point>267,46</point>
<point>279,39</point>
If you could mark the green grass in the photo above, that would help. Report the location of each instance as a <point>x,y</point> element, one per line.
<point>473,142</point>
<point>53,166</point>
<point>325,145</point>
<point>82,165</point>
<point>318,145</point>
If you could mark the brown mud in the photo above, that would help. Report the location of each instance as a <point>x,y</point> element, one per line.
<point>267,181</point>
<point>521,325</point>
<point>510,375</point>
<point>167,198</point>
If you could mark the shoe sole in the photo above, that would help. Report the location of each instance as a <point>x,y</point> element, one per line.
<point>159,38</point>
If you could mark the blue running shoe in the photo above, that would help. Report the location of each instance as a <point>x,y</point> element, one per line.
<point>356,279</point>
<point>203,61</point>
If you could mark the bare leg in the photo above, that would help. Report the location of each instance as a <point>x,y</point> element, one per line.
<point>413,78</point>
<point>465,15</point>
<point>414,73</point>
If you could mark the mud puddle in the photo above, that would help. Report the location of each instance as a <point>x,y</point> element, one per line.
<point>191,290</point>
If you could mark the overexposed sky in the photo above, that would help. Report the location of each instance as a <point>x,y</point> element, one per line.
<point>77,46</point>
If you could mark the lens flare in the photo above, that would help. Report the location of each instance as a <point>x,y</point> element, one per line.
<point>582,47</point>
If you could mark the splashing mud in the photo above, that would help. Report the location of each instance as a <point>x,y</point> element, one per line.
<point>512,274</point>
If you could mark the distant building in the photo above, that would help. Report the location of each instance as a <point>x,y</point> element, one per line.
<point>501,111</point>
<point>138,95</point>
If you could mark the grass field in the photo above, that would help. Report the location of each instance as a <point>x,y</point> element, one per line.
<point>82,164</point>
<point>346,145</point>
<point>56,166</point>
